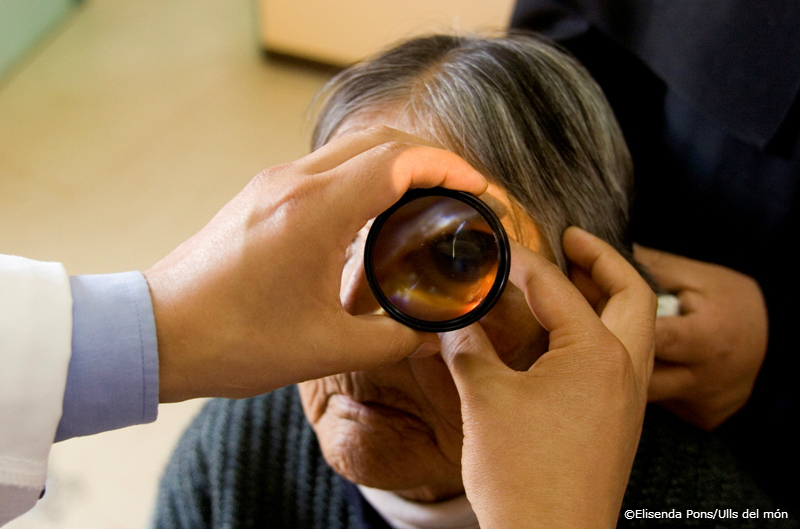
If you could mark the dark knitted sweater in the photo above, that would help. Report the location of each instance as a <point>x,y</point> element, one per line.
<point>256,463</point>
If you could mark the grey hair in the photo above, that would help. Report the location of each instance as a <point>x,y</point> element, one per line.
<point>519,109</point>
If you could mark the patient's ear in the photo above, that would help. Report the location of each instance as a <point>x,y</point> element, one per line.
<point>526,232</point>
<point>518,224</point>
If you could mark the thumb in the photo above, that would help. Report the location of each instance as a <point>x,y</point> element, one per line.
<point>370,341</point>
<point>469,356</point>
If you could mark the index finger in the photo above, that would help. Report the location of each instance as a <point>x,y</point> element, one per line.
<point>630,311</point>
<point>346,146</point>
<point>554,300</point>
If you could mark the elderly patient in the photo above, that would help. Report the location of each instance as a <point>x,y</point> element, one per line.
<point>384,446</point>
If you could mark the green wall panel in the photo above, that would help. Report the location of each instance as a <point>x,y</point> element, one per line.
<point>23,23</point>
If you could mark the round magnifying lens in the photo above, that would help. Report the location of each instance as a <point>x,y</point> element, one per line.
<point>438,260</point>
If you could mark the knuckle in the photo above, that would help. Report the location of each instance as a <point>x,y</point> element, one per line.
<point>612,361</point>
<point>390,149</point>
<point>536,271</point>
<point>269,175</point>
<point>381,131</point>
<point>457,342</point>
<point>616,356</point>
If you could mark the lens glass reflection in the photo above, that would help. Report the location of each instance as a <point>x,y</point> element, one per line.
<point>435,258</point>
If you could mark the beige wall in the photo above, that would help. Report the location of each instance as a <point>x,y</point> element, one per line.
<point>119,138</point>
<point>342,31</point>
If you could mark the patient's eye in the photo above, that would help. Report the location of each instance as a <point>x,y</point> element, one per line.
<point>435,257</point>
<point>465,254</point>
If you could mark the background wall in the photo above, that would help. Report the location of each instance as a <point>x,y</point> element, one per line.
<point>118,140</point>
<point>122,136</point>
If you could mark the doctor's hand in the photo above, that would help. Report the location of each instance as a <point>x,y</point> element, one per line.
<point>708,357</point>
<point>251,302</point>
<point>553,446</point>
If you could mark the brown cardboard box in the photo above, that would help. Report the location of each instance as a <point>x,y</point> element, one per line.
<point>340,32</point>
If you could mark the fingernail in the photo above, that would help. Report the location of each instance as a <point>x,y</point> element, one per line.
<point>426,349</point>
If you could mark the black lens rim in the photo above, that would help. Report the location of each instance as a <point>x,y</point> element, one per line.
<point>503,264</point>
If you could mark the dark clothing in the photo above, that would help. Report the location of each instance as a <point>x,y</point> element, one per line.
<point>706,94</point>
<point>256,464</point>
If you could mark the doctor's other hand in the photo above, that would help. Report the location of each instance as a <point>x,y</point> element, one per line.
<point>251,302</point>
<point>553,446</point>
<point>708,356</point>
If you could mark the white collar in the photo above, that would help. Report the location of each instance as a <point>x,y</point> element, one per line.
<point>404,514</point>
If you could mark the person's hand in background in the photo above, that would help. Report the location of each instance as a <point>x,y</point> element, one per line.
<point>251,302</point>
<point>709,355</point>
<point>553,446</point>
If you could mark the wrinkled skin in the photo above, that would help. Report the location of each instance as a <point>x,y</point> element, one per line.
<point>399,427</point>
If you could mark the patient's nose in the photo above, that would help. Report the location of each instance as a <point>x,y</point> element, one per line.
<point>355,293</point>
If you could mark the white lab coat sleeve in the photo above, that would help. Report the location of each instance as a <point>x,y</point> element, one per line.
<point>35,347</point>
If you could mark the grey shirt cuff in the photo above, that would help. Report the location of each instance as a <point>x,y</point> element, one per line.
<point>112,379</point>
